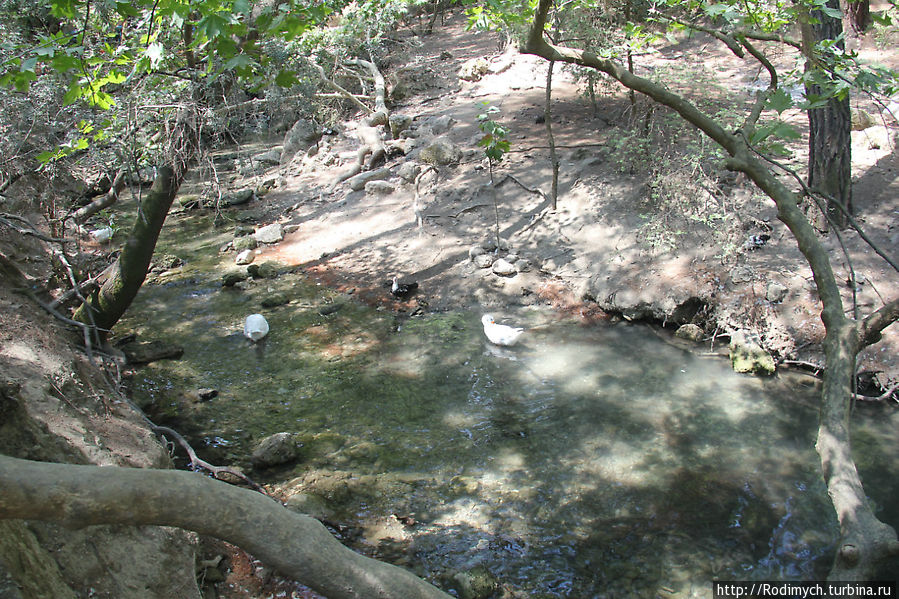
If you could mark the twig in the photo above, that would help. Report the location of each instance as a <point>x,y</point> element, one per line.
<point>196,462</point>
<point>882,397</point>
<point>7,219</point>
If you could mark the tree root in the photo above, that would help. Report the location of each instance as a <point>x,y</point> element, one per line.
<point>295,544</point>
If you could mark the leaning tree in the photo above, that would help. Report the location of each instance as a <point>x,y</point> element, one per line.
<point>747,28</point>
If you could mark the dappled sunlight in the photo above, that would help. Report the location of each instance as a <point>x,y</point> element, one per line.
<point>572,460</point>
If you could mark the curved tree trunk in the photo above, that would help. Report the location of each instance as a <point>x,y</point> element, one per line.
<point>106,306</point>
<point>297,545</point>
<point>864,540</point>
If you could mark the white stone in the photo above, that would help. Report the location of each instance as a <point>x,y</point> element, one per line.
<point>272,233</point>
<point>245,257</point>
<point>504,268</point>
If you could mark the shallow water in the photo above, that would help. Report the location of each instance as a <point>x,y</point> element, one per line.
<point>585,462</point>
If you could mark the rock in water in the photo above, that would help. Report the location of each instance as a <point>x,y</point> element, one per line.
<point>255,327</point>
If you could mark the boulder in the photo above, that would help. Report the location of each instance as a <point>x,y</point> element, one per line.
<point>690,332</point>
<point>245,257</point>
<point>236,198</point>
<point>379,187</point>
<point>483,260</point>
<point>271,157</point>
<point>441,151</point>
<point>242,244</point>
<point>437,125</point>
<point>474,69</point>
<point>272,233</point>
<point>399,123</point>
<point>280,448</point>
<point>303,135</point>
<point>408,171</point>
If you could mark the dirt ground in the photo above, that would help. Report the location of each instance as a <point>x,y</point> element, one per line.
<point>601,247</point>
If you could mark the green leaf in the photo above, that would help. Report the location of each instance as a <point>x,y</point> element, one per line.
<point>239,61</point>
<point>212,26</point>
<point>779,101</point>
<point>286,79</point>
<point>241,7</point>
<point>126,9</point>
<point>28,64</point>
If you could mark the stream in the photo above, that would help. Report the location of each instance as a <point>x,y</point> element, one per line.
<point>588,461</point>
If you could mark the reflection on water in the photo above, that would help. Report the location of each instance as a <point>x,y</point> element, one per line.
<point>586,462</point>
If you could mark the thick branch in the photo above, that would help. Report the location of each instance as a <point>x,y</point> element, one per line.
<point>104,201</point>
<point>869,329</point>
<point>380,85</point>
<point>343,92</point>
<point>295,544</point>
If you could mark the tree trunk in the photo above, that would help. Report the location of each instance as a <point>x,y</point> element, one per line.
<point>297,545</point>
<point>859,13</point>
<point>106,306</point>
<point>830,144</point>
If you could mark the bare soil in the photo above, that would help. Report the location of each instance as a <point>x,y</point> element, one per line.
<point>611,243</point>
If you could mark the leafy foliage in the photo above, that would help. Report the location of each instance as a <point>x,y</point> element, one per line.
<point>494,140</point>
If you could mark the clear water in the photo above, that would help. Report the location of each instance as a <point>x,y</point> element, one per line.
<point>586,462</point>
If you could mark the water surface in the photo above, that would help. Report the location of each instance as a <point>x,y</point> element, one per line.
<point>586,462</point>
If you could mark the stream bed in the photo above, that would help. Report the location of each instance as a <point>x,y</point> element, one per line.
<point>588,461</point>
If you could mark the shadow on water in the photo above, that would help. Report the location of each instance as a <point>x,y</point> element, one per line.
<point>588,462</point>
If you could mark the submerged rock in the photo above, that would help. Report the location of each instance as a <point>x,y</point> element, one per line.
<point>277,298</point>
<point>265,270</point>
<point>276,449</point>
<point>230,279</point>
<point>477,583</point>
<point>144,352</point>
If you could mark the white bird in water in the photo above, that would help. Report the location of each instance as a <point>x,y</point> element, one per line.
<point>500,334</point>
<point>255,327</point>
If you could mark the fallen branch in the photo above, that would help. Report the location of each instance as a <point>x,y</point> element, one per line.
<point>104,201</point>
<point>197,462</point>
<point>295,544</point>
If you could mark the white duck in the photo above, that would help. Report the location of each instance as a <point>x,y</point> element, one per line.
<point>255,327</point>
<point>500,334</point>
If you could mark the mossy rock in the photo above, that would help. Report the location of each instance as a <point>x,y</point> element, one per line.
<point>476,583</point>
<point>748,357</point>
